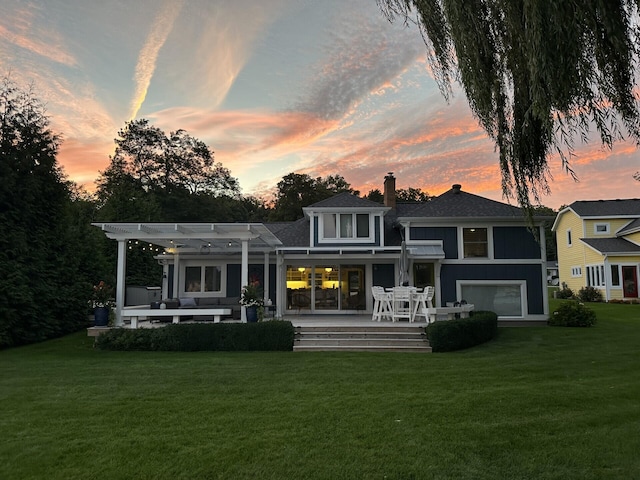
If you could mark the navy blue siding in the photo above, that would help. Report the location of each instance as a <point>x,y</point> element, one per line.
<point>234,276</point>
<point>515,242</point>
<point>384,274</point>
<point>448,235</point>
<point>531,273</point>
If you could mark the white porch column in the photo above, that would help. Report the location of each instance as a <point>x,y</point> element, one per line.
<point>436,274</point>
<point>244,275</point>
<point>176,275</point>
<point>266,277</point>
<point>120,280</point>
<point>281,286</point>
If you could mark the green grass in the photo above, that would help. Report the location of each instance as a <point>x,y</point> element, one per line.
<point>538,403</point>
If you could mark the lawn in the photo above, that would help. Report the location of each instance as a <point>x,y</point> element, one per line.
<point>536,403</point>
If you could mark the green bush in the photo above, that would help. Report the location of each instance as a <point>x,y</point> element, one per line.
<point>590,294</point>
<point>262,336</point>
<point>461,333</point>
<point>572,314</point>
<point>565,293</point>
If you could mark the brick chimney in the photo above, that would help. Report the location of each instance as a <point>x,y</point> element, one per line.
<point>390,190</point>
<point>456,187</point>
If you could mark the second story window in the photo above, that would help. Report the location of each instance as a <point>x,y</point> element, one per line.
<point>475,243</point>
<point>346,225</point>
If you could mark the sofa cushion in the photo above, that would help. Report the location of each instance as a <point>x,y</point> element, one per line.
<point>231,301</point>
<point>208,301</point>
<point>188,302</point>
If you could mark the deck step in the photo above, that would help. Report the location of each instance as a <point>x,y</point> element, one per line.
<point>371,338</point>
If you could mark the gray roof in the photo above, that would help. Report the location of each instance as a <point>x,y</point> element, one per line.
<point>606,208</point>
<point>612,245</point>
<point>346,199</point>
<point>456,203</point>
<point>631,227</point>
<point>293,234</point>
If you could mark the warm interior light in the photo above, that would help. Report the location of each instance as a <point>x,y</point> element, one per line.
<point>328,269</point>
<point>301,269</point>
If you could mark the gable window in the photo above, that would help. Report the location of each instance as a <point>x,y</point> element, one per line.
<point>601,229</point>
<point>346,226</point>
<point>200,278</point>
<point>595,276</point>
<point>569,242</point>
<point>475,243</point>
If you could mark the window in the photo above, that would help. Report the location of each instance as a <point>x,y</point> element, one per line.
<point>346,226</point>
<point>615,275</point>
<point>576,271</point>
<point>595,276</point>
<point>475,242</point>
<point>198,279</point>
<point>504,299</point>
<point>569,242</point>
<point>601,228</point>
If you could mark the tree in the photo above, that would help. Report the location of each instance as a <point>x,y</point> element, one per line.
<point>297,190</point>
<point>178,161</point>
<point>536,74</point>
<point>43,292</point>
<point>403,195</point>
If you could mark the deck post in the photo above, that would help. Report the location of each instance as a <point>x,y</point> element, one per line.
<point>244,275</point>
<point>120,280</point>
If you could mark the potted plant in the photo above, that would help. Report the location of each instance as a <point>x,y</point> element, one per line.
<point>102,302</point>
<point>251,298</point>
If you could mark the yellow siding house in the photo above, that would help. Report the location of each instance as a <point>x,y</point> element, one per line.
<point>599,246</point>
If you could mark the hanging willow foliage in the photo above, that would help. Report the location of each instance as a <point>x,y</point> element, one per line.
<point>537,74</point>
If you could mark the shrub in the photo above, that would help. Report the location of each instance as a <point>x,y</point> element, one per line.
<point>461,333</point>
<point>590,294</point>
<point>572,314</point>
<point>263,336</point>
<point>565,293</point>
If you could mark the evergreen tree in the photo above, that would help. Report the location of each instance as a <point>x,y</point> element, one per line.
<point>42,292</point>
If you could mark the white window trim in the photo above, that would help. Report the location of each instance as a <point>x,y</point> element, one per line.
<point>350,240</point>
<point>524,304</point>
<point>489,244</point>
<point>596,276</point>
<point>569,237</point>
<point>576,271</point>
<point>605,232</point>
<point>210,263</point>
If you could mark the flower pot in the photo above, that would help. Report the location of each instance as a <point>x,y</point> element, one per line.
<point>101,316</point>
<point>252,314</point>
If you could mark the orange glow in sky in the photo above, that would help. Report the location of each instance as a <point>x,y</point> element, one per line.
<point>273,87</point>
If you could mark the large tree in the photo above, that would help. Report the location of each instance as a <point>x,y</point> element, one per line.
<point>297,190</point>
<point>537,74</point>
<point>177,161</point>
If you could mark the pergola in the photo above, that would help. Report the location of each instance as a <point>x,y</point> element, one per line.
<point>181,238</point>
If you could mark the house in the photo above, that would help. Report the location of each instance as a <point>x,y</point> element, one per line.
<point>599,246</point>
<point>468,247</point>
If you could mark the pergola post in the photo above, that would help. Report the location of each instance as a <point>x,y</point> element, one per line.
<point>120,280</point>
<point>266,277</point>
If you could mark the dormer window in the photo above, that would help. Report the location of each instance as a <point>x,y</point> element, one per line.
<point>346,226</point>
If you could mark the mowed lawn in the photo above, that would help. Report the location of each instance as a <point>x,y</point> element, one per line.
<point>535,403</point>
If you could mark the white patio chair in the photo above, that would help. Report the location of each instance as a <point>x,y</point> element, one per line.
<point>381,304</point>
<point>421,301</point>
<point>402,303</point>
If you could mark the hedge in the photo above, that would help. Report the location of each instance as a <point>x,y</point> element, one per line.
<point>446,336</point>
<point>261,336</point>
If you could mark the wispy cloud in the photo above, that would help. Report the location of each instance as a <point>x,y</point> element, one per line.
<point>160,30</point>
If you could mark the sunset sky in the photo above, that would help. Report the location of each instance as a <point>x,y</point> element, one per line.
<point>273,87</point>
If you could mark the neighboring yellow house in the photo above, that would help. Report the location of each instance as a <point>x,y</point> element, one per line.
<point>599,246</point>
